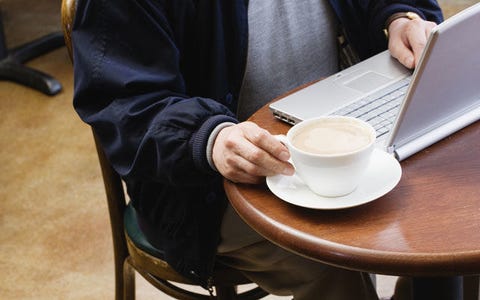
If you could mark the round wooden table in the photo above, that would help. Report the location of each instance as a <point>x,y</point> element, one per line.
<point>427,226</point>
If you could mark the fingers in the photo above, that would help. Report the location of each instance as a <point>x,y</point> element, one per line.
<point>402,53</point>
<point>248,153</point>
<point>417,36</point>
<point>242,170</point>
<point>261,153</point>
<point>266,143</point>
<point>408,39</point>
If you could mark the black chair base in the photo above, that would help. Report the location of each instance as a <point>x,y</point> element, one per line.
<point>12,68</point>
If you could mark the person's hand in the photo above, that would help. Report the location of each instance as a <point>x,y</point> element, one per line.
<point>408,38</point>
<point>247,153</point>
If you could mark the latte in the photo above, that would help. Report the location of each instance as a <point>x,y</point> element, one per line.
<point>331,137</point>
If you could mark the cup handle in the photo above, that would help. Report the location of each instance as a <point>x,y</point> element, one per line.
<point>283,139</point>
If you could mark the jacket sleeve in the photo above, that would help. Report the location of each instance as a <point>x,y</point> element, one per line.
<point>129,88</point>
<point>364,20</point>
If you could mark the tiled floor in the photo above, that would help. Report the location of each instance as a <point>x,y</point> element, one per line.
<point>54,231</point>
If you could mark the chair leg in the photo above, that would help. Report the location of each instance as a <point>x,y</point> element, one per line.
<point>226,292</point>
<point>119,277</point>
<point>128,281</point>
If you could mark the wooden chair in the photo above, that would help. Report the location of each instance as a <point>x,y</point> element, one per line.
<point>132,252</point>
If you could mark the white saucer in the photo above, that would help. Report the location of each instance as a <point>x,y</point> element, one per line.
<point>382,175</point>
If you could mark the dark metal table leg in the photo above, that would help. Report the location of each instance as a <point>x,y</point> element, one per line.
<point>438,288</point>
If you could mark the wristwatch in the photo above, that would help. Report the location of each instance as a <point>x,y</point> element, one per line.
<point>409,15</point>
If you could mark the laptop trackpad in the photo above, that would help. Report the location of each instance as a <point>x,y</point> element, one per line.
<point>364,82</point>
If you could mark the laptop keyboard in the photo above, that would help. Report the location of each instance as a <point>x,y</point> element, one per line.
<point>379,109</point>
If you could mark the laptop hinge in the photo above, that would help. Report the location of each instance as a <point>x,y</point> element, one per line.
<point>436,134</point>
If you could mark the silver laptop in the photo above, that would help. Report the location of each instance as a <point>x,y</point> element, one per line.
<point>409,111</point>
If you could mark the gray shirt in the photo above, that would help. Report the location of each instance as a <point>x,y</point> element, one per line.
<point>290,43</point>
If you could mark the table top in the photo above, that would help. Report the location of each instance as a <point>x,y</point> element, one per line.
<point>429,224</point>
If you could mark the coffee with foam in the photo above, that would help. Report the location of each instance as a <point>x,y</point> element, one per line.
<point>331,153</point>
<point>332,137</point>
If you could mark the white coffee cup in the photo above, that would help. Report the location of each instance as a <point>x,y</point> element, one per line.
<point>330,154</point>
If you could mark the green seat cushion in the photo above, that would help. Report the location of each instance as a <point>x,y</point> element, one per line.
<point>136,235</point>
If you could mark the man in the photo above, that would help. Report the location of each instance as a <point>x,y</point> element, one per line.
<point>166,84</point>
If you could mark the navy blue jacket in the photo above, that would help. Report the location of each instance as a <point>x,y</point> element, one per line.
<point>154,77</point>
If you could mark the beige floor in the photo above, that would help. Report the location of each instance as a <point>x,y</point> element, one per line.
<point>54,231</point>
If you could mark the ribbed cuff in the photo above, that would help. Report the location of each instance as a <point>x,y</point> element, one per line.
<point>202,137</point>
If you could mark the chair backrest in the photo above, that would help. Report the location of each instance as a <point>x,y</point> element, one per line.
<point>68,13</point>
<point>112,181</point>
<point>116,207</point>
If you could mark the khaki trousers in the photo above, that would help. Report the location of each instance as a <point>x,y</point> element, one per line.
<point>284,273</point>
